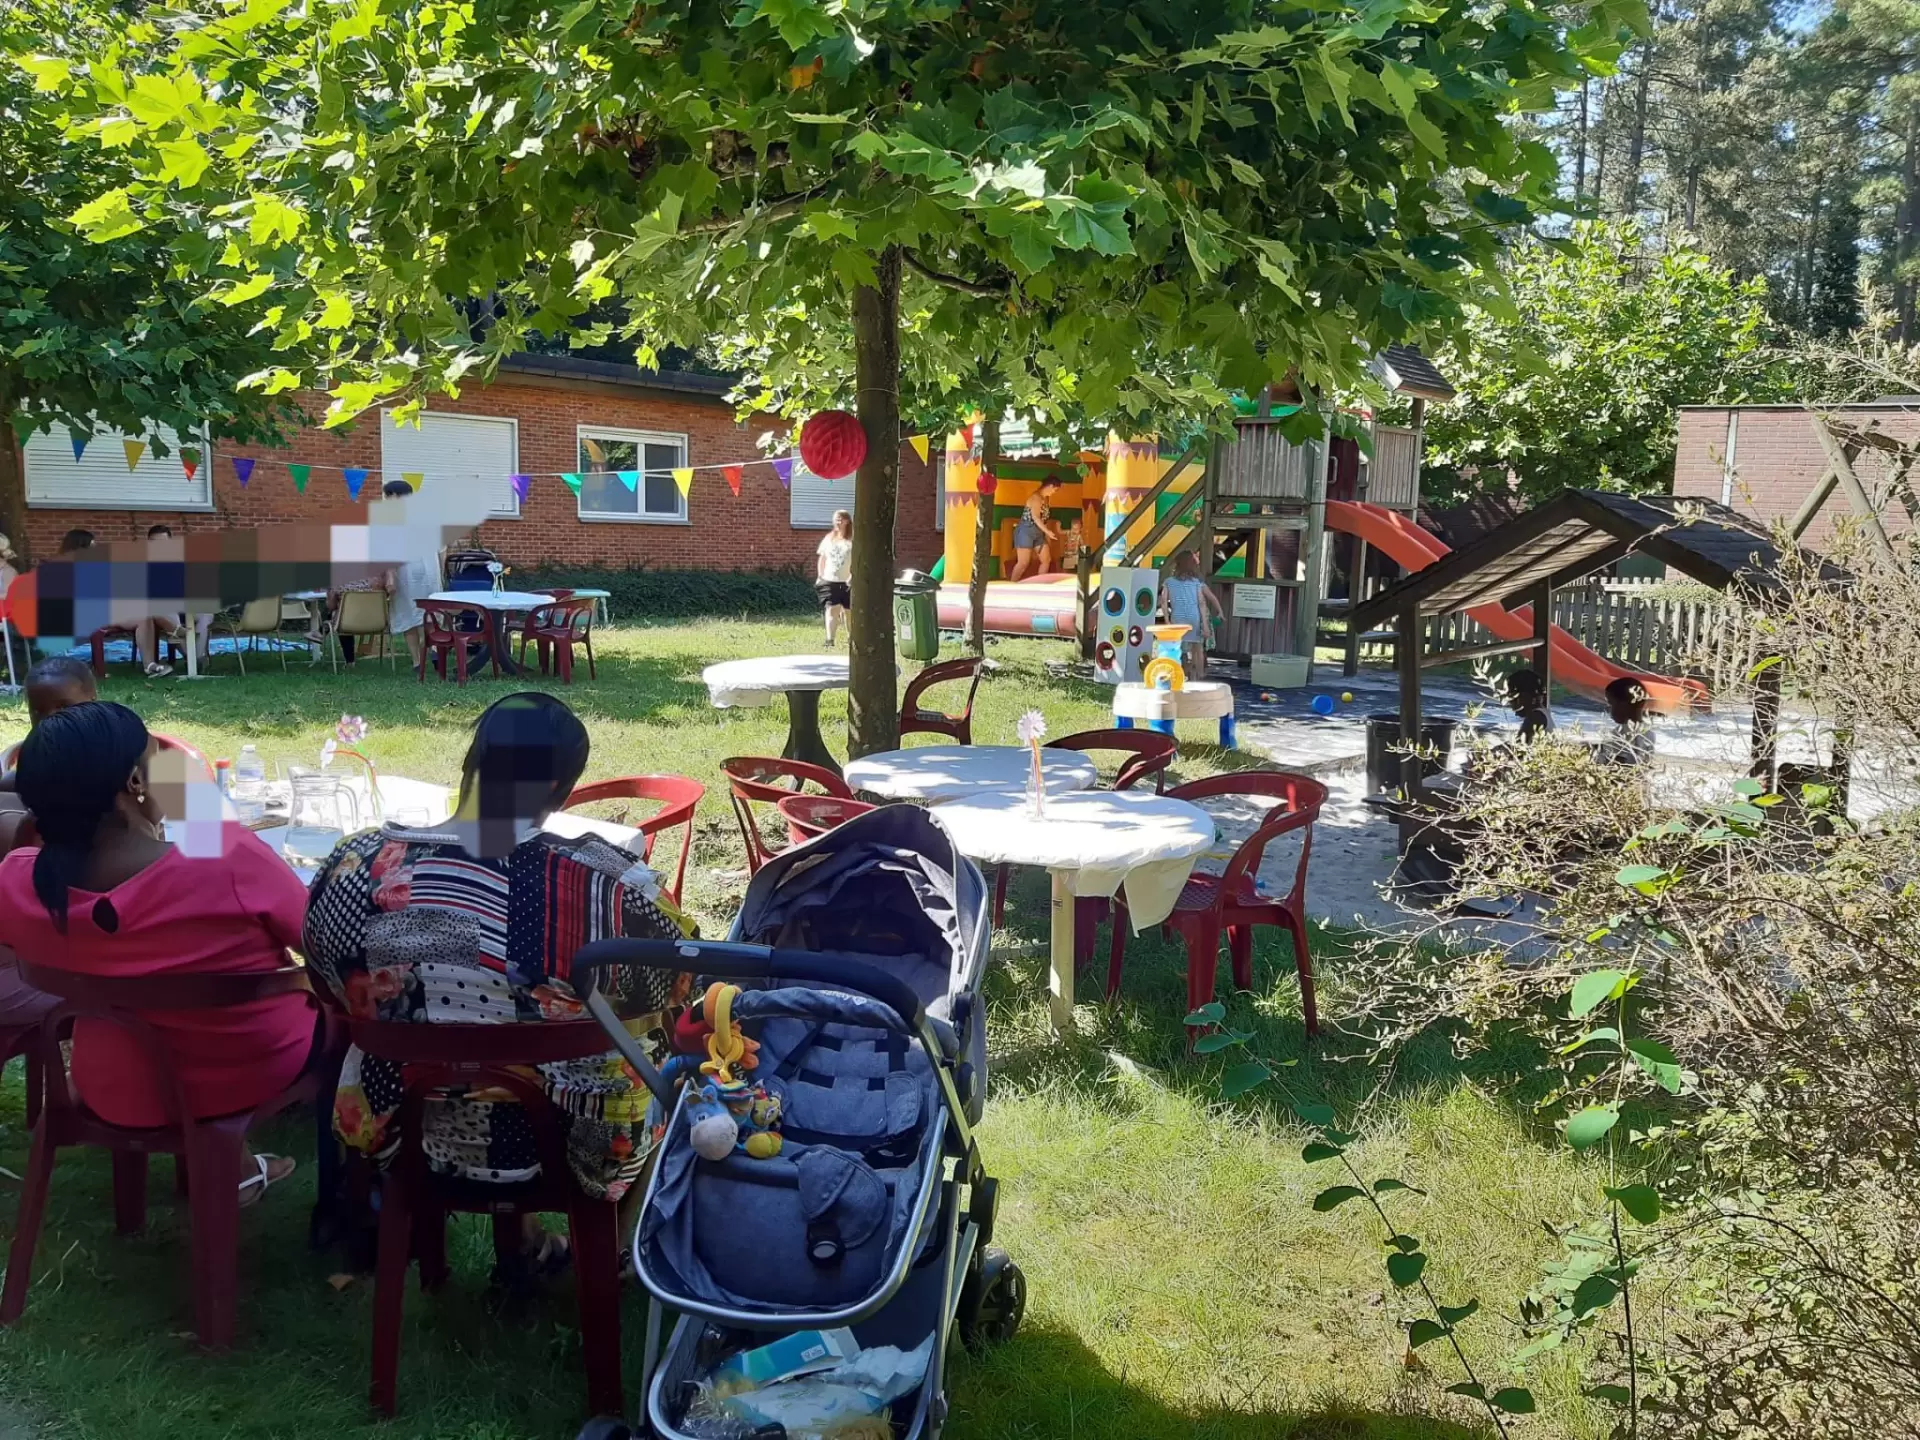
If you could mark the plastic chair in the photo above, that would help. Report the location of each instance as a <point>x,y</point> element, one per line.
<point>1229,903</point>
<point>97,646</point>
<point>167,742</point>
<point>678,797</point>
<point>809,816</point>
<point>755,780</point>
<point>445,643</point>
<point>256,618</point>
<point>210,1148</point>
<point>17,1041</point>
<point>917,721</point>
<point>415,1202</point>
<point>362,614</point>
<point>557,628</point>
<point>1151,753</point>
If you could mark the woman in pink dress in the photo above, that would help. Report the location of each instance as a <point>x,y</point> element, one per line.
<point>107,894</point>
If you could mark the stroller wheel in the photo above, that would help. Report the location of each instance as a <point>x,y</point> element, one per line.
<point>605,1427</point>
<point>993,1301</point>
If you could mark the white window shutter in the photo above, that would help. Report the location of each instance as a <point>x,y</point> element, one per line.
<point>466,450</point>
<point>101,480</point>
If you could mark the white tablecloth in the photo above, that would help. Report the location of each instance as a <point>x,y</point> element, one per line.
<point>1097,840</point>
<point>494,599</point>
<point>750,683</point>
<point>950,772</point>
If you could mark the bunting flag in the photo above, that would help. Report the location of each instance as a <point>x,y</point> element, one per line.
<point>919,444</point>
<point>629,478</point>
<point>355,478</point>
<point>190,462</point>
<point>135,449</point>
<point>243,469</point>
<point>415,478</point>
<point>520,484</point>
<point>684,480</point>
<point>732,472</point>
<point>79,445</point>
<point>300,474</point>
<point>966,437</point>
<point>783,467</point>
<point>574,481</point>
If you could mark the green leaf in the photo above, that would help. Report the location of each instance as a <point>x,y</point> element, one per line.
<point>1603,1032</point>
<point>1211,1013</point>
<point>1590,1126</point>
<point>244,290</point>
<point>1748,786</point>
<point>336,311</point>
<point>183,161</point>
<point>1636,876</point>
<point>1407,1244</point>
<point>1221,1040</point>
<point>1428,134</point>
<point>1454,1314</point>
<point>1336,1196</point>
<point>1659,1062</point>
<point>1597,987</point>
<point>1244,172</point>
<point>1387,1187</point>
<point>50,73</point>
<point>1642,1202</point>
<point>1422,1332</point>
<point>1514,1400</point>
<point>1596,1292</point>
<point>1612,1394</point>
<point>1239,1079</point>
<point>1472,1389</point>
<point>1399,89</point>
<point>1404,1268</point>
<point>1316,1115</point>
<point>1319,1151</point>
<point>1339,76</point>
<point>107,217</point>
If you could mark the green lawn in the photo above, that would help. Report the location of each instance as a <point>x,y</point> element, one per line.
<point>1180,1284</point>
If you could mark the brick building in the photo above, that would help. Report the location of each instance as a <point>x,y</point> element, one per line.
<point>542,416</point>
<point>1764,460</point>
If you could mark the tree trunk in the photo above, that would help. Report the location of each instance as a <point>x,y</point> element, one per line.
<point>1600,149</point>
<point>13,488</point>
<point>1580,151</point>
<point>1693,197</point>
<point>873,706</point>
<point>1906,244</point>
<point>1810,256</point>
<point>982,539</point>
<point>1637,143</point>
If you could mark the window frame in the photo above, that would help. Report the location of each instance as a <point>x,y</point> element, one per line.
<point>640,439</point>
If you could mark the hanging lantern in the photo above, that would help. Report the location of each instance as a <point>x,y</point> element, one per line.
<point>988,483</point>
<point>832,444</point>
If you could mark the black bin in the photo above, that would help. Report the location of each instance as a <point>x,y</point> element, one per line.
<point>1384,756</point>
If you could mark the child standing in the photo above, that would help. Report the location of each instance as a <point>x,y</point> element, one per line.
<point>834,572</point>
<point>1187,601</point>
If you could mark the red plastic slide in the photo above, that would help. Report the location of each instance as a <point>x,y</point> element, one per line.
<point>1572,664</point>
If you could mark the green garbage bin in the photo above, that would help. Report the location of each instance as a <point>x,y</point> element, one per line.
<point>916,615</point>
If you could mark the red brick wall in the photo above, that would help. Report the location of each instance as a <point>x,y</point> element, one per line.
<point>752,532</point>
<point>1777,460</point>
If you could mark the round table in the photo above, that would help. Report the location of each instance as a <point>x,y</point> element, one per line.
<point>1092,842</point>
<point>497,604</point>
<point>1158,709</point>
<point>753,683</point>
<point>949,772</point>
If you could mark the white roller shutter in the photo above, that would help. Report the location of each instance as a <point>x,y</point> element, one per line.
<point>468,450</point>
<point>811,500</point>
<point>100,479</point>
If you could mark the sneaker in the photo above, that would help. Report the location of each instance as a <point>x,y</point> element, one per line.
<point>158,671</point>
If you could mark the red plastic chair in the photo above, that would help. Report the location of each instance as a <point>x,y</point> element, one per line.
<point>555,629</point>
<point>167,742</point>
<point>915,720</point>
<point>1152,753</point>
<point>1212,905</point>
<point>210,1148</point>
<point>755,780</point>
<point>445,643</point>
<point>415,1202</point>
<point>809,816</point>
<point>678,797</point>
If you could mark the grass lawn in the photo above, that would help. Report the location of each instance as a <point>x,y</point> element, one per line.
<point>1180,1284</point>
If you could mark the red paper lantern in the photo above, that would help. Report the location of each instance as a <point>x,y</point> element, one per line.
<point>988,484</point>
<point>832,444</point>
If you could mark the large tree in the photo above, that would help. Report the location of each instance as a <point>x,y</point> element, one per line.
<point>1141,205</point>
<point>109,332</point>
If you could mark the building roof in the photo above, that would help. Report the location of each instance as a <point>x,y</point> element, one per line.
<point>1410,371</point>
<point>613,372</point>
<point>1578,532</point>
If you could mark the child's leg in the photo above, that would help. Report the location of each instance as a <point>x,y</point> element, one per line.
<point>1193,654</point>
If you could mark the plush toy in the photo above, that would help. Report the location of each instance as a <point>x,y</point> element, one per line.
<point>727,1111</point>
<point>711,1128</point>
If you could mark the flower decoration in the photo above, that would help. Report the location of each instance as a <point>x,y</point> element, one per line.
<point>347,735</point>
<point>1030,727</point>
<point>351,730</point>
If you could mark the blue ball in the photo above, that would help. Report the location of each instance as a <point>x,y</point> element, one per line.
<point>1323,704</point>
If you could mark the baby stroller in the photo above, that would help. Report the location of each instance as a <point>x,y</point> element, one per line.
<point>858,956</point>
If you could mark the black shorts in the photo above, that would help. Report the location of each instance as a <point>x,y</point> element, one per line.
<point>832,592</point>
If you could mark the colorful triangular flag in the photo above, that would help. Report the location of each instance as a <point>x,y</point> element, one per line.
<point>683,478</point>
<point>966,437</point>
<point>355,478</point>
<point>783,467</point>
<point>732,472</point>
<point>629,478</point>
<point>574,481</point>
<point>520,485</point>
<point>919,444</point>
<point>243,469</point>
<point>79,444</point>
<point>135,449</point>
<point>414,478</point>
<point>190,461</point>
<point>300,475</point>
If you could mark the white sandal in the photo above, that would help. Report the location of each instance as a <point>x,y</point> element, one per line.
<point>262,1178</point>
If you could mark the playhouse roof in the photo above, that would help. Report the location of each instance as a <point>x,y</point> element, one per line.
<point>1578,532</point>
<point>1412,373</point>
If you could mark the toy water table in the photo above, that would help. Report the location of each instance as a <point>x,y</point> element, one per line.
<point>1164,694</point>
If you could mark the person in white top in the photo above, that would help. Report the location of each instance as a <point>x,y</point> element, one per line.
<point>835,569</point>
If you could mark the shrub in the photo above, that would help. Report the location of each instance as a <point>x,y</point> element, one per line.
<point>641,595</point>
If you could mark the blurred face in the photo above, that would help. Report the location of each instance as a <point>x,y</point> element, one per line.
<point>49,697</point>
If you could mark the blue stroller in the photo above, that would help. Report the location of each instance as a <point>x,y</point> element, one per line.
<point>859,957</point>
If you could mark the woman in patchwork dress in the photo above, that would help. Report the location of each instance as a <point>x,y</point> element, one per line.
<point>477,922</point>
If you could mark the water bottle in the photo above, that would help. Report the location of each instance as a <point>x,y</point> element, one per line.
<point>249,785</point>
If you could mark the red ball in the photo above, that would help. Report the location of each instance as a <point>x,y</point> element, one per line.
<point>832,444</point>
<point>988,484</point>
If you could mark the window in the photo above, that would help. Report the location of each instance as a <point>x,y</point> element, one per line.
<point>653,498</point>
<point>811,500</point>
<point>481,450</point>
<point>101,479</point>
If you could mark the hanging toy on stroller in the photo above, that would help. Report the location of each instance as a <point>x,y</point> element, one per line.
<point>819,1215</point>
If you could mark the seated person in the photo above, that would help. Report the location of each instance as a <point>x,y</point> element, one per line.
<point>148,634</point>
<point>56,683</point>
<point>107,894</point>
<point>416,925</point>
<point>1526,693</point>
<point>1632,742</point>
